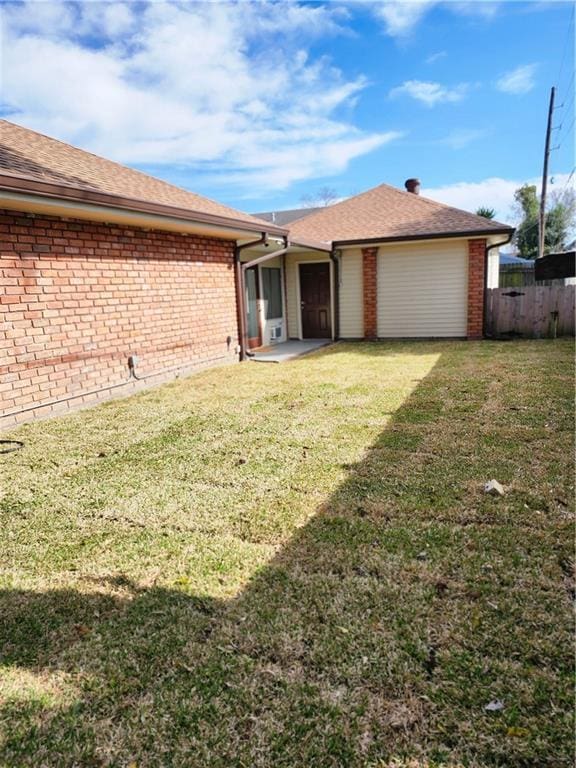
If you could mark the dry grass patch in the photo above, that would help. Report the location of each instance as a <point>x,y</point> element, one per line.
<point>295,565</point>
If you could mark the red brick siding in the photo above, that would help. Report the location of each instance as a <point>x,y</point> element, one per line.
<point>77,298</point>
<point>370,291</point>
<point>476,279</point>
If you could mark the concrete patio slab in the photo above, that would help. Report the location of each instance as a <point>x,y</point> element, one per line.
<point>288,350</point>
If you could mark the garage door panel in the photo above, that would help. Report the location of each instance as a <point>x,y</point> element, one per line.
<point>422,290</point>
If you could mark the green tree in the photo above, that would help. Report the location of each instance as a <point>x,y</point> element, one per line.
<point>526,237</point>
<point>560,220</point>
<point>486,213</point>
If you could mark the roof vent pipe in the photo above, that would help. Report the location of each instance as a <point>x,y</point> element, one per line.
<point>413,185</point>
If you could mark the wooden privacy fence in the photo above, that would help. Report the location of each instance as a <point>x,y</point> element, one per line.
<point>534,311</point>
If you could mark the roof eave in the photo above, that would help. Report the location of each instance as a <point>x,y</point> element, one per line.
<point>428,236</point>
<point>314,245</point>
<point>59,191</point>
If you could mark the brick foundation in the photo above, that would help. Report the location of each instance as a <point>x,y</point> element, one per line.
<point>77,298</point>
<point>370,291</point>
<point>476,279</point>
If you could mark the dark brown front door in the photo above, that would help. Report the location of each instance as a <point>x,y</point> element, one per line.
<point>315,300</point>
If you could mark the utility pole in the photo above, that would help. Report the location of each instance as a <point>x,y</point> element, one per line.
<point>542,227</point>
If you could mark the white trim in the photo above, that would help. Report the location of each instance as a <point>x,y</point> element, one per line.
<point>298,295</point>
<point>408,241</point>
<point>109,215</point>
<point>260,307</point>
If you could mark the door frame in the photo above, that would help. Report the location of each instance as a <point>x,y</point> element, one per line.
<point>263,321</point>
<point>298,293</point>
<point>251,339</point>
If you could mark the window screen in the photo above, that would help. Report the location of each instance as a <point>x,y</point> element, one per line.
<point>272,290</point>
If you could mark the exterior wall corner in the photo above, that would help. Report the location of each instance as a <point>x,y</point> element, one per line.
<point>476,287</point>
<point>370,291</point>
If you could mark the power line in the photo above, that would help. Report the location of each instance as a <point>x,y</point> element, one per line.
<point>564,129</point>
<point>568,99</point>
<point>566,43</point>
<point>560,126</point>
<point>561,137</point>
<point>568,180</point>
<point>569,128</point>
<point>570,90</point>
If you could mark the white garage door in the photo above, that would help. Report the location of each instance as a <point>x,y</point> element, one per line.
<point>423,290</point>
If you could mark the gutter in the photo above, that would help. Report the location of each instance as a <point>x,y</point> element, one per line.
<point>429,236</point>
<point>266,257</point>
<point>314,245</point>
<point>486,252</point>
<point>66,192</point>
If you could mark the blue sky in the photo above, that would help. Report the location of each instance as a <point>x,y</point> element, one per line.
<point>258,104</point>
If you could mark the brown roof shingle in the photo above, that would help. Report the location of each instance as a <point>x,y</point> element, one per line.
<point>28,154</point>
<point>385,212</point>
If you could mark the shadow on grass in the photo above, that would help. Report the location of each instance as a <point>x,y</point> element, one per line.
<point>381,630</point>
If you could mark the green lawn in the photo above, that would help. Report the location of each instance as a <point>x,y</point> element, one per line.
<point>296,565</point>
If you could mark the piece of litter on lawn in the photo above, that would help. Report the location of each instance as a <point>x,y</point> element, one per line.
<point>422,555</point>
<point>494,488</point>
<point>494,706</point>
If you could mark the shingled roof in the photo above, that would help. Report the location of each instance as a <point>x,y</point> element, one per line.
<point>386,213</point>
<point>284,218</point>
<point>30,155</point>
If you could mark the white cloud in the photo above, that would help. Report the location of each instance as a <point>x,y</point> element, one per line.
<point>293,163</point>
<point>196,85</point>
<point>485,9</point>
<point>434,57</point>
<point>400,18</point>
<point>459,138</point>
<point>430,93</point>
<point>494,193</point>
<point>518,81</point>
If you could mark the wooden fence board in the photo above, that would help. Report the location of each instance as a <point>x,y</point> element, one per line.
<point>529,311</point>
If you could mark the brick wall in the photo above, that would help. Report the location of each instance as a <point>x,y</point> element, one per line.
<point>370,291</point>
<point>476,267</point>
<point>77,298</point>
